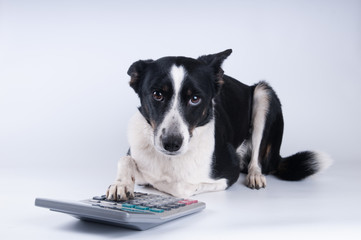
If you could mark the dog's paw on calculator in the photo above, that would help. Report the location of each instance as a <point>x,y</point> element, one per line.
<point>120,190</point>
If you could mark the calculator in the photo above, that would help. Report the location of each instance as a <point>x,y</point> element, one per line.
<point>141,212</point>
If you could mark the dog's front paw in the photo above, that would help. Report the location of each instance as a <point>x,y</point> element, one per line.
<point>255,179</point>
<point>120,190</point>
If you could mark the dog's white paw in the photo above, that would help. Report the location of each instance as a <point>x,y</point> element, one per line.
<point>256,180</point>
<point>120,190</point>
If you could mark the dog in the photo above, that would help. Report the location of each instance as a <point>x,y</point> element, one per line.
<point>197,129</point>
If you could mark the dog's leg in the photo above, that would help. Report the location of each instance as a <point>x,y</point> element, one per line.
<point>123,188</point>
<point>184,189</point>
<point>260,108</point>
<point>217,185</point>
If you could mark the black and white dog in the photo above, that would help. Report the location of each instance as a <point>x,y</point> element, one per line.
<point>197,129</point>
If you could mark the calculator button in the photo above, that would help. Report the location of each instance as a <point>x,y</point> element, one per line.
<point>128,205</point>
<point>135,202</point>
<point>99,197</point>
<point>172,206</point>
<point>138,194</point>
<point>165,208</point>
<point>156,210</point>
<point>188,202</point>
<point>141,208</point>
<point>149,205</point>
<point>134,210</point>
<point>107,204</point>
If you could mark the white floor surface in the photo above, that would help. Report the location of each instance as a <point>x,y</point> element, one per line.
<point>325,205</point>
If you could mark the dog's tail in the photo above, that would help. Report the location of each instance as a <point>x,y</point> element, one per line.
<point>302,164</point>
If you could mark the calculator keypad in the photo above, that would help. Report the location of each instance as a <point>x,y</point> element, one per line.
<point>143,203</point>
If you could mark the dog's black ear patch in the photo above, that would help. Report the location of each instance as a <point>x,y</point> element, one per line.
<point>136,71</point>
<point>215,62</point>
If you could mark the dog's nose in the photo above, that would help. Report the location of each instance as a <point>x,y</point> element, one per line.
<point>172,143</point>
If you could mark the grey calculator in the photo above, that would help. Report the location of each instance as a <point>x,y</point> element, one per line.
<point>142,212</point>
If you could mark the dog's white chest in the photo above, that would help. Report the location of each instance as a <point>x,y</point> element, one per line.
<point>161,171</point>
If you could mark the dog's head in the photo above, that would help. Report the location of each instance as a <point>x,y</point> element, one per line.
<point>176,96</point>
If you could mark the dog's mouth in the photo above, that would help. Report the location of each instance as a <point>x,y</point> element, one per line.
<point>165,152</point>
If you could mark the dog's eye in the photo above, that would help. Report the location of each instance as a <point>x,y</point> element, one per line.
<point>158,96</point>
<point>195,100</point>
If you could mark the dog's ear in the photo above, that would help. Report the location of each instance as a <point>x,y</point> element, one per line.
<point>136,71</point>
<point>215,62</point>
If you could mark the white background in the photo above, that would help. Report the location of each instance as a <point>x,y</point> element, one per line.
<point>65,102</point>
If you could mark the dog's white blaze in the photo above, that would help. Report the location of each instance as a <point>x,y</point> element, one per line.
<point>173,119</point>
<point>177,74</point>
